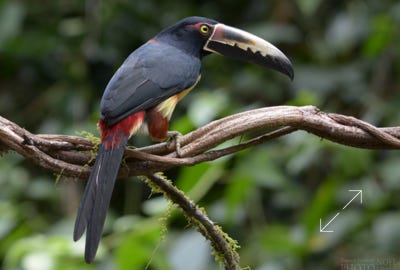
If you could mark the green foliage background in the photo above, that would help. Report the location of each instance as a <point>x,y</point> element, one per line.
<point>55,60</point>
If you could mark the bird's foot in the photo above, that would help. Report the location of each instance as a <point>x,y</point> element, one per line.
<point>175,137</point>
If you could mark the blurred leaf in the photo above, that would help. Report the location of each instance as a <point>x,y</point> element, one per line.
<point>260,168</point>
<point>386,232</point>
<point>182,124</point>
<point>346,30</point>
<point>8,220</point>
<point>304,151</point>
<point>205,106</point>
<point>71,27</point>
<point>321,204</point>
<point>381,35</point>
<point>341,226</point>
<point>139,247</point>
<point>196,181</point>
<point>11,18</point>
<point>41,252</point>
<point>308,7</point>
<point>280,240</point>
<point>390,172</point>
<point>276,33</point>
<point>238,190</point>
<point>351,162</point>
<point>325,82</point>
<point>155,206</point>
<point>189,249</point>
<point>305,97</point>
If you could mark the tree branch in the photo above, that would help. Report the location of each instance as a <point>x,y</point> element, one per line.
<point>69,155</point>
<point>223,245</point>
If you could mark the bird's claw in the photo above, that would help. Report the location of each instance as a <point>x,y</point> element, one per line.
<point>175,137</point>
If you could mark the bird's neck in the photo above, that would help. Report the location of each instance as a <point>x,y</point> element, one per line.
<point>180,43</point>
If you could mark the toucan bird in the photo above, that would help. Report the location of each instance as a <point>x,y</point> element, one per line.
<point>144,92</point>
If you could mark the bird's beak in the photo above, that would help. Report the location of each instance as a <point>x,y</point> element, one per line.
<point>239,44</point>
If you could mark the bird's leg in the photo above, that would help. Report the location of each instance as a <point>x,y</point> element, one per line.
<point>157,126</point>
<point>175,137</point>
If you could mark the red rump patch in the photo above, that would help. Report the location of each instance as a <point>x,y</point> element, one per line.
<point>157,125</point>
<point>111,137</point>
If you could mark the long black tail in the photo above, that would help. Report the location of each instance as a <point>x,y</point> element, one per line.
<point>96,197</point>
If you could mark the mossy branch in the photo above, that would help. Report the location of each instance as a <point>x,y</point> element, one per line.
<point>68,155</point>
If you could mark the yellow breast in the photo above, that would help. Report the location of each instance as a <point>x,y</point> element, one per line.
<point>166,108</point>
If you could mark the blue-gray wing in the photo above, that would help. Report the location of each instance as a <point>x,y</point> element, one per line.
<point>150,75</point>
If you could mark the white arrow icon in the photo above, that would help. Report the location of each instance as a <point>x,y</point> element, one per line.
<point>359,192</point>
<point>323,228</point>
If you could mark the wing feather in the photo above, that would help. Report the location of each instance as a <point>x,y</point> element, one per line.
<point>150,75</point>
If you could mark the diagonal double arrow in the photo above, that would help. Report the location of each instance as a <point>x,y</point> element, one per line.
<point>323,228</point>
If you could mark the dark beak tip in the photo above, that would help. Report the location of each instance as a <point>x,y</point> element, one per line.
<point>290,72</point>
<point>283,65</point>
<point>286,67</point>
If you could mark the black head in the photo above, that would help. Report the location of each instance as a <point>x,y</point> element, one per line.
<point>200,36</point>
<point>189,34</point>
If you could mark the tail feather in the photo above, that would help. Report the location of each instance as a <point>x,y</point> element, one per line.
<point>97,195</point>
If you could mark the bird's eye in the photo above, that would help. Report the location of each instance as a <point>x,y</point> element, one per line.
<point>204,29</point>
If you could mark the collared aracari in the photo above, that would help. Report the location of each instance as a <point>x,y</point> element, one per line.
<point>144,92</point>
